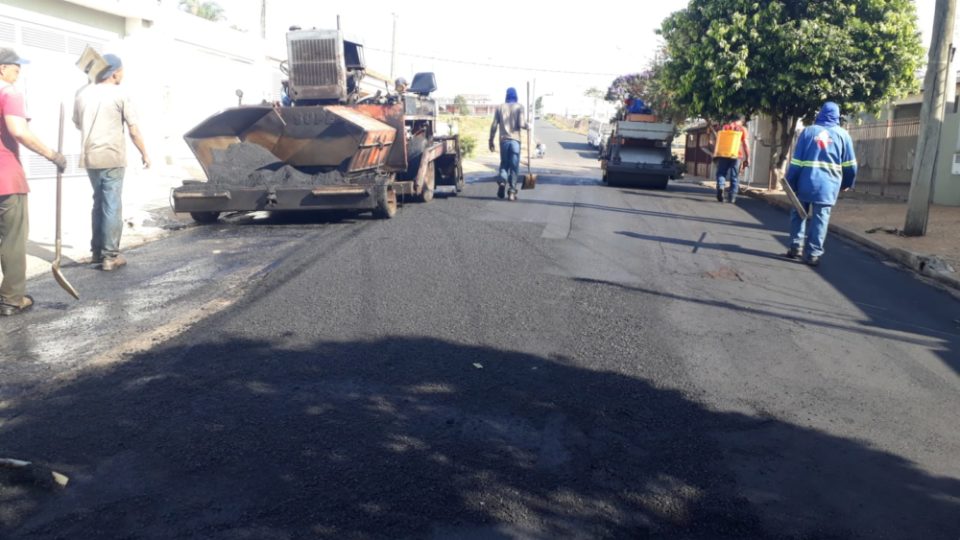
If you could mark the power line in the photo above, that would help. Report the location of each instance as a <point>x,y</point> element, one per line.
<point>499,66</point>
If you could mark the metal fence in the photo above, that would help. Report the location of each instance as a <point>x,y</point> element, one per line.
<point>885,152</point>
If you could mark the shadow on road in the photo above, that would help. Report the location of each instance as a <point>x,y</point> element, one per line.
<point>697,245</point>
<point>578,146</point>
<point>418,437</point>
<point>881,291</point>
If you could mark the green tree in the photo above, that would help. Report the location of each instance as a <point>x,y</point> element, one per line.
<point>594,92</point>
<point>209,10</point>
<point>785,58</point>
<point>460,104</point>
<point>538,106</point>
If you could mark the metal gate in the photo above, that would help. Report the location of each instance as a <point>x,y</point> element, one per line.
<point>885,152</point>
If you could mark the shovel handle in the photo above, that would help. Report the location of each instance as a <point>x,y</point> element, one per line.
<point>57,274</point>
<point>59,178</point>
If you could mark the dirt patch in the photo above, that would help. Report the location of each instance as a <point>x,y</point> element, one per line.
<point>724,272</point>
<point>886,217</point>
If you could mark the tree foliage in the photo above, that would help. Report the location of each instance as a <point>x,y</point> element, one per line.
<point>594,92</point>
<point>460,105</point>
<point>784,58</point>
<point>651,86</point>
<point>631,85</point>
<point>209,10</point>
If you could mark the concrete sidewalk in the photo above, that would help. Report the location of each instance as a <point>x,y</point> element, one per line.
<point>876,222</point>
<point>146,213</point>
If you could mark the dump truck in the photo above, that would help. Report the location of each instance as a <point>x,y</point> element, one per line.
<point>638,153</point>
<point>328,145</point>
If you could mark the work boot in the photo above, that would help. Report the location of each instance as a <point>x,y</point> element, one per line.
<point>502,191</point>
<point>792,253</point>
<point>719,194</point>
<point>112,264</point>
<point>7,310</point>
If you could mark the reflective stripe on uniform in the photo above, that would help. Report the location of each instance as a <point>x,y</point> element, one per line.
<point>818,165</point>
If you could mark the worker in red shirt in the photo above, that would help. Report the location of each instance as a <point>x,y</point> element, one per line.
<point>729,168</point>
<point>13,186</point>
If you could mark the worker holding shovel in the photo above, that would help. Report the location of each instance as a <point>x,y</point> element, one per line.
<point>508,120</point>
<point>14,131</point>
<point>823,165</point>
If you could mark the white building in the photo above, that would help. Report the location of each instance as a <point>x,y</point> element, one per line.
<point>578,106</point>
<point>179,68</point>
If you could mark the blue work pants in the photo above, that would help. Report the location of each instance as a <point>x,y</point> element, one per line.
<point>810,236</point>
<point>107,212</point>
<point>729,169</point>
<point>510,164</point>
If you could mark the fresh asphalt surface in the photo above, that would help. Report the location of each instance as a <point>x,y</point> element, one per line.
<point>587,362</point>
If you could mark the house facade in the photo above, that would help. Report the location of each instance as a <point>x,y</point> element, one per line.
<point>179,68</point>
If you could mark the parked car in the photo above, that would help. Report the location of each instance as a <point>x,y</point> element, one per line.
<point>597,133</point>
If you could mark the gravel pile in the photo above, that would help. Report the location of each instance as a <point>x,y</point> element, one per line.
<point>251,165</point>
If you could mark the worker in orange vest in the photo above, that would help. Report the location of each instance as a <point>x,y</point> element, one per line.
<point>729,168</point>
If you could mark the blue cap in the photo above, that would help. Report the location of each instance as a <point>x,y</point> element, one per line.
<point>113,64</point>
<point>511,95</point>
<point>9,56</point>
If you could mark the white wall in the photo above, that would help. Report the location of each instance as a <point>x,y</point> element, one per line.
<point>179,69</point>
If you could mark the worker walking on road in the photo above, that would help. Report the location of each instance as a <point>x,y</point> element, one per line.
<point>100,112</point>
<point>14,222</point>
<point>729,168</point>
<point>823,165</point>
<point>510,120</point>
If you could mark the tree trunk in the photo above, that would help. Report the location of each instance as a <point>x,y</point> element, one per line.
<point>772,180</point>
<point>782,127</point>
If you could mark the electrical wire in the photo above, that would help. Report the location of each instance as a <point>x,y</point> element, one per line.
<point>499,66</point>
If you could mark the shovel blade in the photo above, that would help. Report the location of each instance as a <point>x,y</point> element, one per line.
<point>529,181</point>
<point>64,284</point>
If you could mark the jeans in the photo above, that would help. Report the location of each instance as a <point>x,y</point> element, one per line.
<point>14,225</point>
<point>815,232</point>
<point>107,212</point>
<point>510,163</point>
<point>728,168</point>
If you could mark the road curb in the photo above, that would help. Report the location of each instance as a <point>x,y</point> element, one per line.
<point>925,265</point>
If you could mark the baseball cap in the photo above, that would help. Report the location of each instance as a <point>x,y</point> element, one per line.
<point>113,64</point>
<point>9,56</point>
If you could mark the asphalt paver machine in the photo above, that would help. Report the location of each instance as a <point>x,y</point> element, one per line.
<point>329,145</point>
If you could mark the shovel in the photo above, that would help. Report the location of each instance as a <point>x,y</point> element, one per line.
<point>57,274</point>
<point>794,201</point>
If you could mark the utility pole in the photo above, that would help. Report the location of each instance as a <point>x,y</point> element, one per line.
<point>531,116</point>
<point>263,19</point>
<point>931,119</point>
<point>393,49</point>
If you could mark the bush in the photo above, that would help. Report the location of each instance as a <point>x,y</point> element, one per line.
<point>467,145</point>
